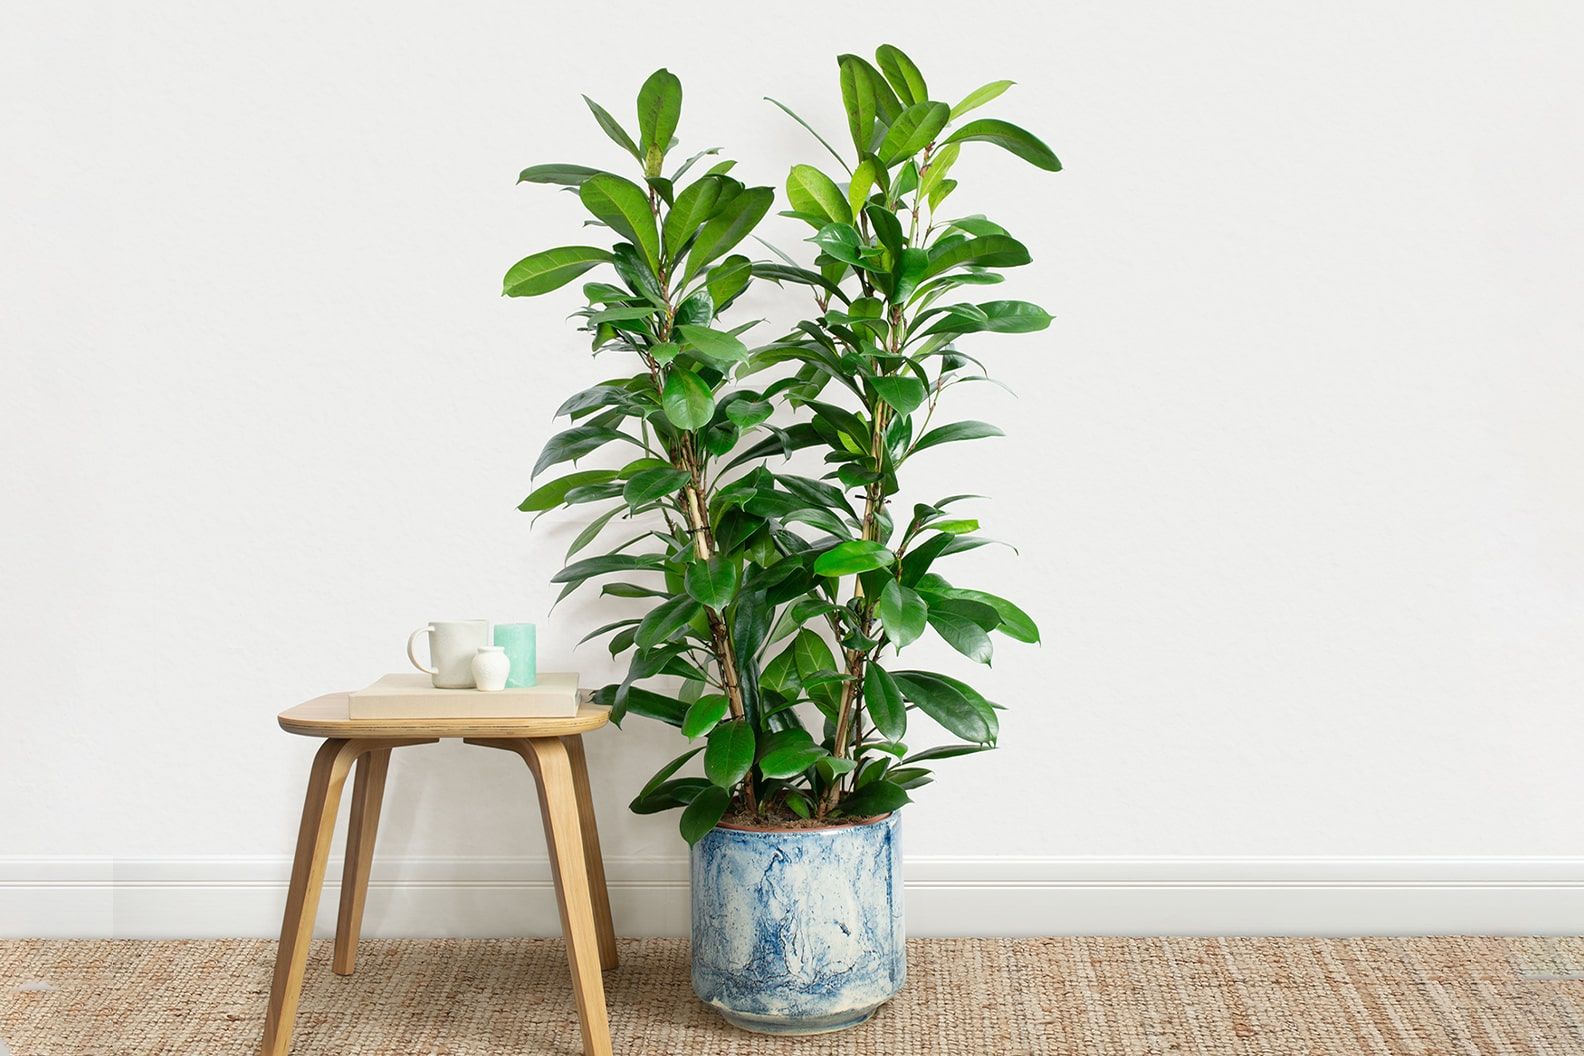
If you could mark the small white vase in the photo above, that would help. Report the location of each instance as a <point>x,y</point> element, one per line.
<point>490,668</point>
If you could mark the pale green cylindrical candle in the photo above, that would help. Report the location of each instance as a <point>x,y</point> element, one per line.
<point>522,650</point>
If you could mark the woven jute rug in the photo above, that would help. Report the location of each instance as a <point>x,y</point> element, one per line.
<point>1112,996</point>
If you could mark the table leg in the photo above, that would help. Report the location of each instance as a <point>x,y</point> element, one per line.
<point>368,789</point>
<point>558,801</point>
<point>325,780</point>
<point>594,864</point>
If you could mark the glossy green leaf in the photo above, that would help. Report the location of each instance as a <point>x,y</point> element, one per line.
<point>811,191</point>
<point>858,100</point>
<point>902,613</point>
<point>712,583</point>
<point>905,394</point>
<point>566,175</point>
<point>864,179</point>
<point>839,241</point>
<point>574,443</point>
<point>998,317</point>
<point>979,96</point>
<point>695,205</point>
<point>650,484</point>
<point>887,106</point>
<point>1015,623</point>
<point>613,128</point>
<point>704,813</point>
<point>729,753</point>
<point>855,555</point>
<point>1009,137</point>
<point>624,207</point>
<point>881,797</point>
<point>902,74</point>
<point>703,715</point>
<point>659,107</point>
<point>578,571</point>
<point>729,227</point>
<point>661,776</point>
<point>913,130</point>
<point>548,496</point>
<point>883,700</point>
<point>666,620</point>
<point>990,251</point>
<point>791,760</point>
<point>944,703</point>
<point>687,400</point>
<point>551,269</point>
<point>962,634</point>
<point>714,344</point>
<point>945,434</point>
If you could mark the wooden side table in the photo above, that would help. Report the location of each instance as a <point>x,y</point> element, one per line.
<point>553,749</point>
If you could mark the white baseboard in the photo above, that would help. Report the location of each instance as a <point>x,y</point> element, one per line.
<point>480,897</point>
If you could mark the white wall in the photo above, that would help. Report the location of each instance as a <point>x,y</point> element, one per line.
<point>1295,475</point>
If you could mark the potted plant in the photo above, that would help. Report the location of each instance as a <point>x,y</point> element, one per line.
<point>782,597</point>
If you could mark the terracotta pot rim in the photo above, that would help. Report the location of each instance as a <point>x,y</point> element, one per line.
<point>795,830</point>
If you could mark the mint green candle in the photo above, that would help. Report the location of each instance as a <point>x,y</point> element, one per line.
<point>522,650</point>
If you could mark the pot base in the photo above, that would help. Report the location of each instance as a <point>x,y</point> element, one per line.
<point>800,1025</point>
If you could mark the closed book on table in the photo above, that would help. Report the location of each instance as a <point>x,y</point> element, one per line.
<point>413,696</point>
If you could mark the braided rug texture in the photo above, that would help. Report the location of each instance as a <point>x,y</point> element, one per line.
<point>1007,997</point>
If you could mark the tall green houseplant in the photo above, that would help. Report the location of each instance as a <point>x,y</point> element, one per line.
<point>781,598</point>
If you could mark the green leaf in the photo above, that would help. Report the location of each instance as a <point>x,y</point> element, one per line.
<point>954,431</point>
<point>729,278</point>
<point>566,175</point>
<point>1015,623</point>
<point>551,269</point>
<point>703,715</point>
<point>855,555</point>
<point>947,751</point>
<point>903,393</point>
<point>858,99</point>
<point>659,107</point>
<point>613,129</point>
<point>840,242</point>
<point>882,797</point>
<point>811,191</point>
<point>884,701</point>
<point>998,317</point>
<point>1009,137</point>
<point>549,495</point>
<point>728,228</point>
<point>574,443</point>
<point>668,795</point>
<point>662,775</point>
<point>787,110</point>
<point>909,270</point>
<point>979,96</point>
<point>693,206</point>
<point>578,571</point>
<point>913,130</point>
<point>901,72</point>
<point>666,620</point>
<point>650,484</point>
<point>729,754</point>
<point>944,703</point>
<point>791,760</point>
<point>713,582</point>
<point>990,251</point>
<point>886,104</point>
<point>687,400</point>
<point>704,813</point>
<point>624,207</point>
<point>745,414</point>
<point>902,613</point>
<point>962,634</point>
<point>864,179</point>
<point>713,344</point>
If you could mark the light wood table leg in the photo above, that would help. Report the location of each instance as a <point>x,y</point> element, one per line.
<point>593,862</point>
<point>551,763</point>
<point>325,781</point>
<point>368,789</point>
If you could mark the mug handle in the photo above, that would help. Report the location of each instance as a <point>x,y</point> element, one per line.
<point>412,640</point>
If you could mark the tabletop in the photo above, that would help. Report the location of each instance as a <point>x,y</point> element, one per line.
<point>327,716</point>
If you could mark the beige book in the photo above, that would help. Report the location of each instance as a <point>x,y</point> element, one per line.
<point>413,696</point>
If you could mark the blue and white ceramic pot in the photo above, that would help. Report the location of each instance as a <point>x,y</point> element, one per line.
<point>798,931</point>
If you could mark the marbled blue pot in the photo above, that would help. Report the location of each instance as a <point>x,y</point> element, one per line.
<point>798,931</point>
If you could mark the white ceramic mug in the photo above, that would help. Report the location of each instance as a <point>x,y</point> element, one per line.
<point>452,646</point>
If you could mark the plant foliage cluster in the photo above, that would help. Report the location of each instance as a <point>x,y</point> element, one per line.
<point>779,600</point>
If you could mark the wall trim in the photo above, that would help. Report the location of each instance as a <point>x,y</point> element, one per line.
<point>79,897</point>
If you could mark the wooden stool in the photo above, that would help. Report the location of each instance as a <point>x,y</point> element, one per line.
<point>553,749</point>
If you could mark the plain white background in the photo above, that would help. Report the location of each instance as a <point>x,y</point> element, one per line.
<point>1295,476</point>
